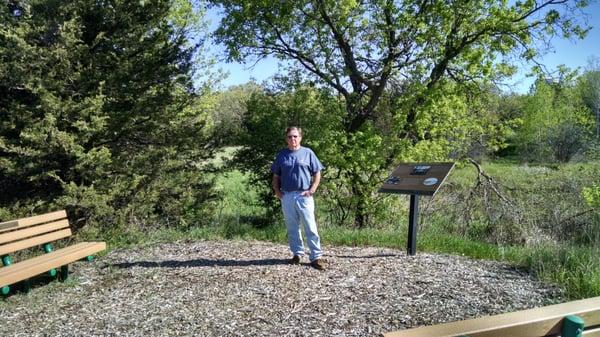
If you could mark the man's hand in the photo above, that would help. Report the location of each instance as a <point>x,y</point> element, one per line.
<point>316,179</point>
<point>308,193</point>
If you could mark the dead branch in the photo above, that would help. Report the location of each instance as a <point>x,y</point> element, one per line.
<point>484,179</point>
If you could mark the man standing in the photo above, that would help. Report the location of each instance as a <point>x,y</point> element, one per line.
<point>296,176</point>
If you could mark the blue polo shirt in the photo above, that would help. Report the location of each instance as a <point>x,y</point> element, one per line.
<point>296,168</point>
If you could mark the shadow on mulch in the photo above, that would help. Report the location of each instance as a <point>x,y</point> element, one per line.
<point>231,262</point>
<point>365,256</point>
<point>24,287</point>
<point>201,263</point>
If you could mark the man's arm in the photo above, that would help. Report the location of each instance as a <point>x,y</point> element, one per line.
<point>316,179</point>
<point>276,183</point>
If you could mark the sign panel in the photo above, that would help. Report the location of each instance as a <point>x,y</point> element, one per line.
<point>417,178</point>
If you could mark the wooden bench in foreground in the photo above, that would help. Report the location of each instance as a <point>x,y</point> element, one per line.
<point>571,319</point>
<point>37,231</point>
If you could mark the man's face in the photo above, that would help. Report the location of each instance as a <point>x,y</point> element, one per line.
<point>293,139</point>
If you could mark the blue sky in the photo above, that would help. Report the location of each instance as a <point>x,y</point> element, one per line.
<point>573,54</point>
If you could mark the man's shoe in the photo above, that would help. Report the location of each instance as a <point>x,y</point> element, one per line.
<point>295,259</point>
<point>318,264</point>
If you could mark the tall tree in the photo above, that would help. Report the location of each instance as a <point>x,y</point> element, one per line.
<point>555,121</point>
<point>97,110</point>
<point>359,49</point>
<point>590,85</point>
<point>228,112</point>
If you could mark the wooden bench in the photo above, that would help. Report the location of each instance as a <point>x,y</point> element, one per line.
<point>571,319</point>
<point>35,231</point>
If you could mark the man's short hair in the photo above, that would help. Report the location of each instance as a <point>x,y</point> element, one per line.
<point>293,128</point>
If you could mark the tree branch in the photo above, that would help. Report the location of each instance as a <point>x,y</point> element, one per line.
<point>356,78</point>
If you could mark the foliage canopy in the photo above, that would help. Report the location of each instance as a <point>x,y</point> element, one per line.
<point>358,48</point>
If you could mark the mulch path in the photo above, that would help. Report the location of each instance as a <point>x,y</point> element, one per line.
<point>246,288</point>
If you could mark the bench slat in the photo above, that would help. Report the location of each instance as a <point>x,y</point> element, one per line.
<point>33,220</point>
<point>34,241</point>
<point>40,264</point>
<point>533,322</point>
<point>8,225</point>
<point>32,231</point>
<point>59,253</point>
<point>592,333</point>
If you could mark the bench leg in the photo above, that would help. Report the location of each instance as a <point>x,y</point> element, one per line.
<point>64,273</point>
<point>5,290</point>
<point>26,286</point>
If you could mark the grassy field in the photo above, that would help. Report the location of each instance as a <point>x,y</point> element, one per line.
<point>562,253</point>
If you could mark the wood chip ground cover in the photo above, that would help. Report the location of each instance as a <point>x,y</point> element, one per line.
<point>241,288</point>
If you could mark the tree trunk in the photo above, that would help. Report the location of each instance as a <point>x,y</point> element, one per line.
<point>360,213</point>
<point>360,220</point>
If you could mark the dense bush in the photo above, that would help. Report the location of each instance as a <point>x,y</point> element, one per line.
<point>98,113</point>
<point>566,140</point>
<point>555,123</point>
<point>228,112</point>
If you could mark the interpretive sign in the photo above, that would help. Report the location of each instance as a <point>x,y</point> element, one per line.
<point>416,179</point>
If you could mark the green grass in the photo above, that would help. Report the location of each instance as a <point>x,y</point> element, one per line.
<point>240,201</point>
<point>576,269</point>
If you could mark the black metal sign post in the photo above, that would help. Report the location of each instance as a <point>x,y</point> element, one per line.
<point>413,220</point>
<point>416,179</point>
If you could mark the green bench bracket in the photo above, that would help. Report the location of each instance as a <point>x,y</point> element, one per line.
<point>573,326</point>
<point>48,249</point>
<point>6,261</point>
